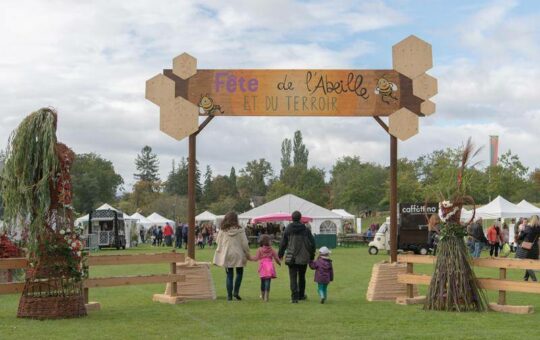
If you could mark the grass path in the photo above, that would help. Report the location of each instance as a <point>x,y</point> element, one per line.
<point>129,313</point>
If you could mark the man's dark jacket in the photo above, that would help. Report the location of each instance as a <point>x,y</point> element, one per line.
<point>298,240</point>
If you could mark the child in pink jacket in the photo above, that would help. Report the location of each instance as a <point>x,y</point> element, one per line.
<point>266,255</point>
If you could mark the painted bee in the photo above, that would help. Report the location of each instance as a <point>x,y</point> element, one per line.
<point>207,106</point>
<point>386,89</point>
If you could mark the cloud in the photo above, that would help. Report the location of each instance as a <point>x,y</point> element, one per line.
<point>90,60</point>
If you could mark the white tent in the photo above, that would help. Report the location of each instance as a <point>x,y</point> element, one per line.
<point>501,208</point>
<point>466,215</point>
<point>159,220</point>
<point>206,216</point>
<point>324,220</point>
<point>346,216</point>
<point>534,210</point>
<point>141,220</point>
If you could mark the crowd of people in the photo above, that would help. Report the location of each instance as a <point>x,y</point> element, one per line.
<point>165,236</point>
<point>296,250</point>
<point>497,239</point>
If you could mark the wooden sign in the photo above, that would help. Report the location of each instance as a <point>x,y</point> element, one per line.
<point>184,93</point>
<point>297,92</point>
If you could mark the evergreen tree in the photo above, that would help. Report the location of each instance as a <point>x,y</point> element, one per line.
<point>286,149</point>
<point>232,179</point>
<point>300,152</point>
<point>147,165</point>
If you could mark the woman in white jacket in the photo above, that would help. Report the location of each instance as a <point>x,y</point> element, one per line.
<point>232,253</point>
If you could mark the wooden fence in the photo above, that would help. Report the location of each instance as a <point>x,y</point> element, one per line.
<point>501,284</point>
<point>115,281</point>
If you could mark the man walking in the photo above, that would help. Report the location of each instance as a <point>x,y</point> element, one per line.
<point>298,246</point>
<point>479,238</point>
<point>178,235</point>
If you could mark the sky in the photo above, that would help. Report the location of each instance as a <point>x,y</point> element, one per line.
<point>90,61</point>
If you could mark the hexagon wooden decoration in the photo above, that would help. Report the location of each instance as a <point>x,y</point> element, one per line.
<point>184,66</point>
<point>159,89</point>
<point>412,56</point>
<point>179,118</point>
<point>403,124</point>
<point>427,107</point>
<point>424,86</point>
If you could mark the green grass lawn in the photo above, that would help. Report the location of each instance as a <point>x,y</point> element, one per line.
<point>129,313</point>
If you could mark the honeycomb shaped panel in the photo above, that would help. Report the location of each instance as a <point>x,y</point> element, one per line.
<point>179,118</point>
<point>412,56</point>
<point>403,124</point>
<point>160,90</point>
<point>427,107</point>
<point>184,66</point>
<point>424,86</point>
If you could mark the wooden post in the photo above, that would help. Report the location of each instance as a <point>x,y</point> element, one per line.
<point>85,292</point>
<point>502,293</point>
<point>191,194</point>
<point>410,287</point>
<point>393,199</point>
<point>174,285</point>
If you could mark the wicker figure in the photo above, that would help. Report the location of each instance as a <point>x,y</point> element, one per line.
<point>454,286</point>
<point>53,286</point>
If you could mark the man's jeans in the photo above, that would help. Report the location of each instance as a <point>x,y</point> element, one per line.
<point>477,249</point>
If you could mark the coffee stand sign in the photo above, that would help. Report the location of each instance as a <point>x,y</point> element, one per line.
<point>402,93</point>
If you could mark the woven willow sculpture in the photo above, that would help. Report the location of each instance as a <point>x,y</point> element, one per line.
<point>454,286</point>
<point>37,193</point>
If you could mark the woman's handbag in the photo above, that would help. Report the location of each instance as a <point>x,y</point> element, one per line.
<point>528,245</point>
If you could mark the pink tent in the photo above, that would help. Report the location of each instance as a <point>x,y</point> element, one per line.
<point>277,217</point>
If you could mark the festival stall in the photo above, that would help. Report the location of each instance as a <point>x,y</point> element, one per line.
<point>325,222</point>
<point>348,225</point>
<point>106,227</point>
<point>501,208</point>
<point>158,220</point>
<point>533,209</point>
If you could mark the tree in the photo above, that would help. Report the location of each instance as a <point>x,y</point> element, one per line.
<point>94,181</point>
<point>356,185</point>
<point>254,177</point>
<point>2,160</point>
<point>232,179</point>
<point>147,165</point>
<point>300,152</point>
<point>286,149</point>
<point>508,178</point>
<point>409,187</point>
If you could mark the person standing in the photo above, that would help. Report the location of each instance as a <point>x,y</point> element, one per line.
<point>159,236</point>
<point>528,248</point>
<point>479,238</point>
<point>433,232</point>
<point>168,232</point>
<point>232,253</point>
<point>141,234</point>
<point>298,246</point>
<point>178,236</point>
<point>495,239</point>
<point>324,272</point>
<point>266,257</point>
<point>185,233</point>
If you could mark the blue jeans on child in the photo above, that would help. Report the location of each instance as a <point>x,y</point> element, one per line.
<point>322,288</point>
<point>265,284</point>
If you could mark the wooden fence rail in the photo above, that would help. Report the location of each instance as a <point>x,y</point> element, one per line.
<point>109,260</point>
<point>501,284</point>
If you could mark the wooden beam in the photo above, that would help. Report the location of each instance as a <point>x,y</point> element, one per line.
<point>11,288</point>
<point>415,279</point>
<point>420,259</point>
<point>381,123</point>
<point>192,161</point>
<point>502,293</point>
<point>507,263</point>
<point>393,198</point>
<point>132,280</point>
<point>489,284</point>
<point>14,263</point>
<point>108,260</point>
<point>203,125</point>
